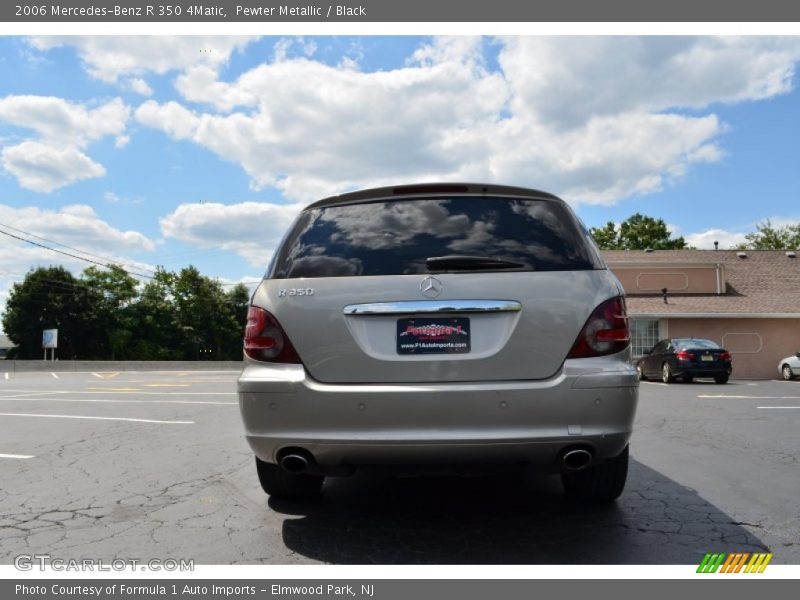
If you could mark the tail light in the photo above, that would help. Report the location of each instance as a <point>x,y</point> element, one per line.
<point>684,355</point>
<point>725,356</point>
<point>606,331</point>
<point>265,340</point>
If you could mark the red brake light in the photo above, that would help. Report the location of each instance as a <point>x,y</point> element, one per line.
<point>606,331</point>
<point>684,355</point>
<point>725,356</point>
<point>265,340</point>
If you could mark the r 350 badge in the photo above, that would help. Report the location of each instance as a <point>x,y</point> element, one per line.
<point>295,292</point>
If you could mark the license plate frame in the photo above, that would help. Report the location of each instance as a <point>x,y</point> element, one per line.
<point>433,335</point>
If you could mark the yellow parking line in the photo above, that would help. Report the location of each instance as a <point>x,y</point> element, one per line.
<point>166,385</point>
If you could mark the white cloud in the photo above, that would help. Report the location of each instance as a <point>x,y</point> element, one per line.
<point>116,199</point>
<point>594,119</point>
<point>140,86</point>
<point>59,121</point>
<point>78,226</point>
<point>251,229</point>
<point>43,168</point>
<point>57,158</point>
<point>731,239</point>
<point>108,57</point>
<point>566,80</point>
<point>705,239</point>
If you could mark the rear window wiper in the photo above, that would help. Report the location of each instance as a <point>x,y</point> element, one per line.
<point>469,263</point>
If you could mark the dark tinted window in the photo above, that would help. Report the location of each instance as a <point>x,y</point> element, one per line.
<point>395,238</point>
<point>696,343</point>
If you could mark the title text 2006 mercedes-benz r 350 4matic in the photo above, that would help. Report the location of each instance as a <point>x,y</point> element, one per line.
<point>438,325</point>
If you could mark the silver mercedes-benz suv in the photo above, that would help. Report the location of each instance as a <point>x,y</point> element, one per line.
<point>438,325</point>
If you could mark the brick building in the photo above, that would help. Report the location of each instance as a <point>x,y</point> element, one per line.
<point>748,302</point>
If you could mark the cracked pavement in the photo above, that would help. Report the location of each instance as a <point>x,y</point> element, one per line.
<point>708,474</point>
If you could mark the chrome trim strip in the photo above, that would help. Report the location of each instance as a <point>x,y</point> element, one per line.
<point>432,306</point>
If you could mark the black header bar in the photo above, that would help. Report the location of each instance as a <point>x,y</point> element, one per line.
<point>365,11</point>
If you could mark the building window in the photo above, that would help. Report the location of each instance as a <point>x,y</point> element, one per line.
<point>644,335</point>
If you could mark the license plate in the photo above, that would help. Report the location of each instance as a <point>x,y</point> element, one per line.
<point>707,358</point>
<point>433,335</point>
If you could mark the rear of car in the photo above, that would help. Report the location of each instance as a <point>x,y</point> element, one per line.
<point>686,359</point>
<point>702,358</point>
<point>789,367</point>
<point>438,325</point>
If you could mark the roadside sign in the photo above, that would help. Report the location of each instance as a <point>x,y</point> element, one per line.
<point>50,338</point>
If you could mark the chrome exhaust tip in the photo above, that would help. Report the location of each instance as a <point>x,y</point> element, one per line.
<point>294,462</point>
<point>576,459</point>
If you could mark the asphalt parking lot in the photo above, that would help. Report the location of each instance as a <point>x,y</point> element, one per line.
<point>154,465</point>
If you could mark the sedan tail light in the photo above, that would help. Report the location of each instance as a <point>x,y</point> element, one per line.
<point>726,356</point>
<point>684,355</point>
<point>265,340</point>
<point>606,331</point>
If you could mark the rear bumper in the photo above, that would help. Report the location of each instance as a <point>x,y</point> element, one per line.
<point>694,370</point>
<point>589,403</point>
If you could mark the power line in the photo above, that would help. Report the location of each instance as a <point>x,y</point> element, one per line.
<point>109,264</point>
<point>28,233</point>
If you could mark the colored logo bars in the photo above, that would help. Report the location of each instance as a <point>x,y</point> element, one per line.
<point>734,563</point>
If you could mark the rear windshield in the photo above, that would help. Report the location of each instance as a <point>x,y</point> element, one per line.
<point>396,237</point>
<point>696,343</point>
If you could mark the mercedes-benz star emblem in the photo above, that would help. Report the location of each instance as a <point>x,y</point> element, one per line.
<point>430,287</point>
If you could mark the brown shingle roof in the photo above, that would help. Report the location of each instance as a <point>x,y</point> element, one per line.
<point>765,282</point>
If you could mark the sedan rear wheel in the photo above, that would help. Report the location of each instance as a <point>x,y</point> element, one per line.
<point>640,373</point>
<point>787,373</point>
<point>666,373</point>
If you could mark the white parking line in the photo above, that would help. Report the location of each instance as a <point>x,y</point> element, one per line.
<point>6,375</point>
<point>111,391</point>
<point>114,401</point>
<point>789,407</point>
<point>750,397</point>
<point>16,456</point>
<point>97,418</point>
<point>655,383</point>
<point>54,375</point>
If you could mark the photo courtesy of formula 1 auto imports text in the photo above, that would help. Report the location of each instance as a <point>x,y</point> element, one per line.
<point>381,300</point>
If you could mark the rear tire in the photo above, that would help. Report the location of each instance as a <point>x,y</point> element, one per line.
<point>640,373</point>
<point>280,484</point>
<point>786,372</point>
<point>600,483</point>
<point>666,373</point>
<point>721,379</point>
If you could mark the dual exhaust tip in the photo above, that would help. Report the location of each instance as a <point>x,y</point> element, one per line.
<point>301,461</point>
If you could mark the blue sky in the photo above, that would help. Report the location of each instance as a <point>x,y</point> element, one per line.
<point>200,150</point>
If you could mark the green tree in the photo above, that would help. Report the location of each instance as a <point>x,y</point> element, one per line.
<point>110,310</point>
<point>606,238</point>
<point>767,237</point>
<point>155,320</point>
<point>48,298</point>
<point>638,232</point>
<point>206,317</point>
<point>107,314</point>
